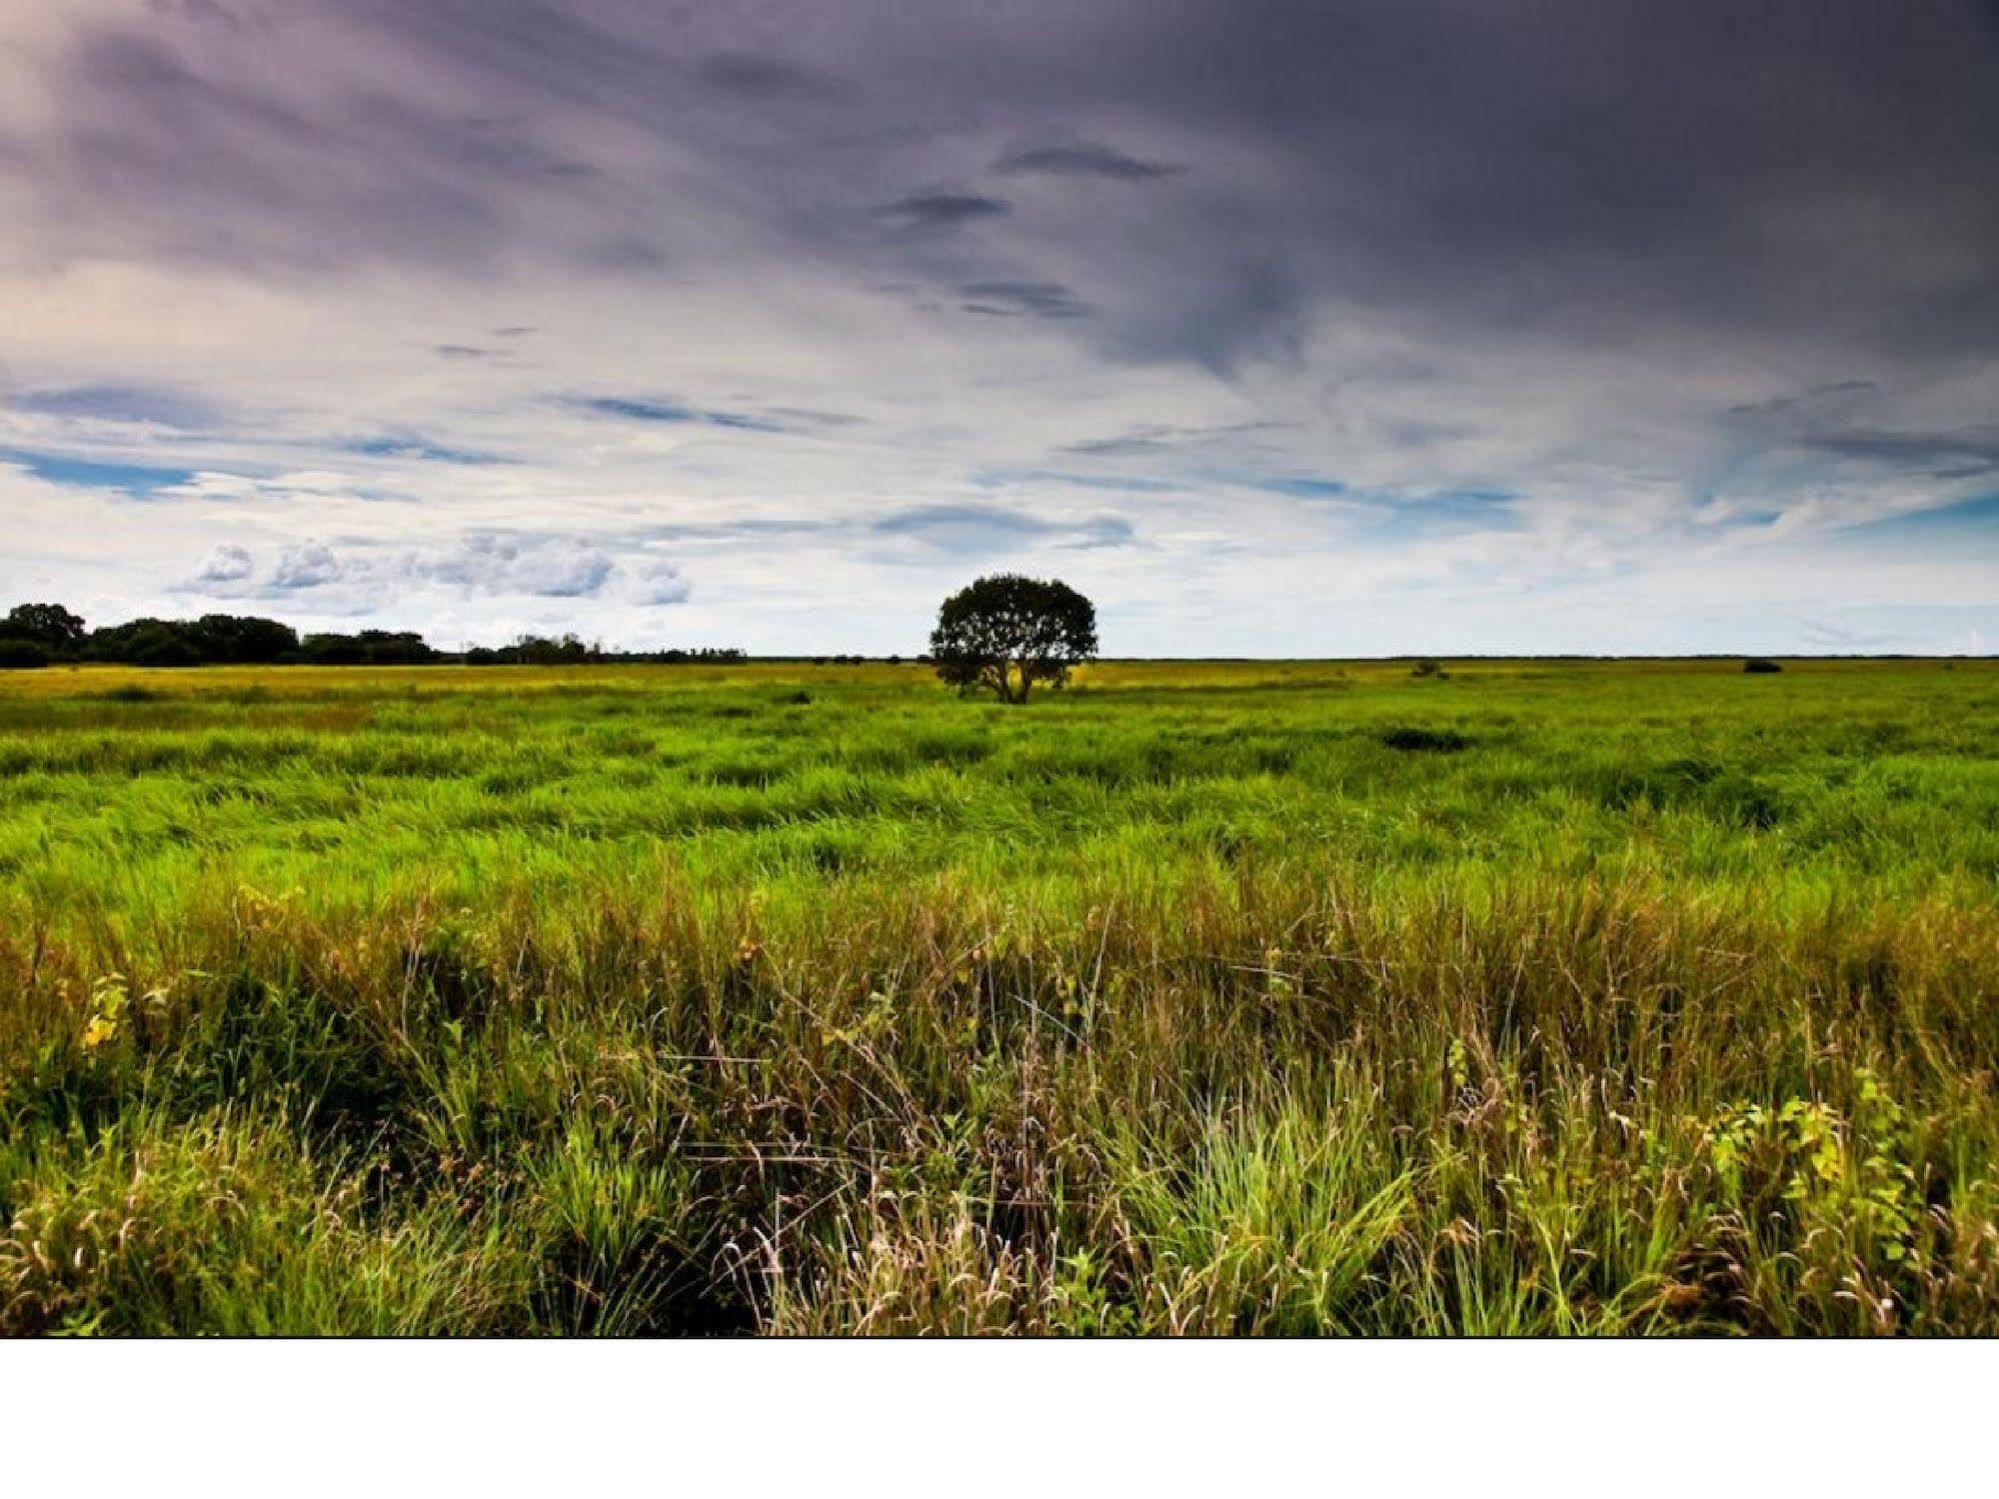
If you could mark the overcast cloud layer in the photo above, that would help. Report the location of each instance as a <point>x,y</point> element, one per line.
<point>1307,329</point>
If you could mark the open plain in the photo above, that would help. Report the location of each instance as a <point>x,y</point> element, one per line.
<point>1529,996</point>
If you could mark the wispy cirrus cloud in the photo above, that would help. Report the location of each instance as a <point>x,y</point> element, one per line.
<point>674,414</point>
<point>1068,157</point>
<point>943,210</point>
<point>991,529</point>
<point>1048,299</point>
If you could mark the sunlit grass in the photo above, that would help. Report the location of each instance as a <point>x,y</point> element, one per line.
<point>1258,997</point>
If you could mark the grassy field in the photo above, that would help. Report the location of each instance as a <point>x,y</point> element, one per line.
<point>1247,997</point>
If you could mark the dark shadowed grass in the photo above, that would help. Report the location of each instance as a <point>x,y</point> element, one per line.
<point>1203,998</point>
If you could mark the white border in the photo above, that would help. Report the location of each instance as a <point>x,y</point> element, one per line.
<point>992,1418</point>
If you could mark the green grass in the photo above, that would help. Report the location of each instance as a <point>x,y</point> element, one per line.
<point>1207,997</point>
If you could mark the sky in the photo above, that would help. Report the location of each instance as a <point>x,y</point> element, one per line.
<point>1357,327</point>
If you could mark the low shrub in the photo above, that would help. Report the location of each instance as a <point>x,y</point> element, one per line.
<point>1436,741</point>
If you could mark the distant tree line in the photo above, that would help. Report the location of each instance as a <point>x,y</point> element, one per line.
<point>46,634</point>
<point>571,650</point>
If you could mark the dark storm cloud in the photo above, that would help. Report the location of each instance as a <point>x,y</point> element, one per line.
<point>941,210</point>
<point>1956,454</point>
<point>1577,172</point>
<point>762,77</point>
<point>226,172</point>
<point>1847,421</point>
<point>1782,406</point>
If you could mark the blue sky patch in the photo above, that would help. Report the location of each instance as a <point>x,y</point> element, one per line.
<point>1300,488</point>
<point>131,478</point>
<point>1979,515</point>
<point>672,412</point>
<point>1446,513</point>
<point>415,447</point>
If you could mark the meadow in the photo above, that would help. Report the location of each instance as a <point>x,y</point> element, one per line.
<point>1259,998</point>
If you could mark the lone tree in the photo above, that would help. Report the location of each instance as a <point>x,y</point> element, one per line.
<point>1005,633</point>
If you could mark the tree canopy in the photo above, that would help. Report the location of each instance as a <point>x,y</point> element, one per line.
<point>50,626</point>
<point>1005,632</point>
